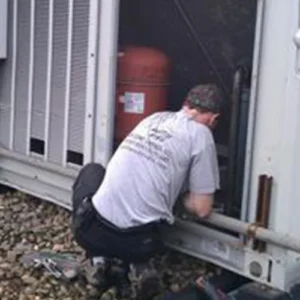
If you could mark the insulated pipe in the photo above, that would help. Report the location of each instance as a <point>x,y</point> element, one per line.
<point>233,134</point>
<point>282,240</point>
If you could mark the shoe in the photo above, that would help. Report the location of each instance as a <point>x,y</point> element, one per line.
<point>97,274</point>
<point>146,281</point>
<point>118,274</point>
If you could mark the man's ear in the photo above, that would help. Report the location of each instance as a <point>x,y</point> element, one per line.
<point>216,117</point>
<point>213,120</point>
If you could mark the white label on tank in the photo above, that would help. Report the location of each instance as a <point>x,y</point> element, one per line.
<point>216,248</point>
<point>134,103</point>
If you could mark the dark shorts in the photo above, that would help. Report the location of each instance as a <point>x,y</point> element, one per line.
<point>101,238</point>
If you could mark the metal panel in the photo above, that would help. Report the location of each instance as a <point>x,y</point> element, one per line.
<point>68,83</point>
<point>225,251</point>
<point>252,107</point>
<point>21,84</point>
<point>90,105</point>
<point>106,80</point>
<point>40,68</point>
<point>48,80</point>
<point>276,140</point>
<point>78,75</point>
<point>4,121</point>
<point>58,79</point>
<point>5,84</point>
<point>47,84</point>
<point>48,182</point>
<point>3,28</point>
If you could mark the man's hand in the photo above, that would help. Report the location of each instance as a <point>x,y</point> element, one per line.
<point>199,204</point>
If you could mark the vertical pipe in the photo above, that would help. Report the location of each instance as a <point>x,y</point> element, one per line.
<point>30,75</point>
<point>13,75</point>
<point>90,84</point>
<point>107,57</point>
<point>263,207</point>
<point>241,142</point>
<point>68,83</point>
<point>49,74</point>
<point>235,108</point>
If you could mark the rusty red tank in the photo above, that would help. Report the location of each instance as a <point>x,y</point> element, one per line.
<point>142,85</point>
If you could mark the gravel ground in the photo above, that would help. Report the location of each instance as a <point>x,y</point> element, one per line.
<point>31,224</point>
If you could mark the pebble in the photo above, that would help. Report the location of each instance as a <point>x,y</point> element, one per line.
<point>31,224</point>
<point>12,256</point>
<point>28,279</point>
<point>58,247</point>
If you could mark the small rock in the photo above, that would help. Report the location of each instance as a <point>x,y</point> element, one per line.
<point>58,247</point>
<point>28,279</point>
<point>28,290</point>
<point>22,297</point>
<point>5,266</point>
<point>12,256</point>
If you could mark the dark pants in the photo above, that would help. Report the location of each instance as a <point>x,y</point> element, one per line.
<point>101,238</point>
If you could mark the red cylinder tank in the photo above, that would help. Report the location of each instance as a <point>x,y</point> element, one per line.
<point>142,84</point>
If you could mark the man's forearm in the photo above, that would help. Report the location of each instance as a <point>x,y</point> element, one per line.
<point>200,205</point>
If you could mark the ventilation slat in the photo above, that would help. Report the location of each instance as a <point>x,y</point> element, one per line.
<point>68,82</point>
<point>30,76</point>
<point>13,74</point>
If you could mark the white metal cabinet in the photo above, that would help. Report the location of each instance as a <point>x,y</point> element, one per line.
<point>57,105</point>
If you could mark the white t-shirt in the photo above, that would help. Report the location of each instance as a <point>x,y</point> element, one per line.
<point>151,166</point>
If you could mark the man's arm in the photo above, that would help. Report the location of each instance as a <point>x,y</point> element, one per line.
<point>199,204</point>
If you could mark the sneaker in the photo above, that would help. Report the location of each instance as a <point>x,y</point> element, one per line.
<point>146,281</point>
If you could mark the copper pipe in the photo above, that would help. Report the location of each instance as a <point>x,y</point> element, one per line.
<point>263,207</point>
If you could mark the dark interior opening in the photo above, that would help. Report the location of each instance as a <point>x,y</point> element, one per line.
<point>74,157</point>
<point>207,41</point>
<point>37,146</point>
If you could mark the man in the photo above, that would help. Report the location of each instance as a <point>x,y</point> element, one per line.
<point>118,212</point>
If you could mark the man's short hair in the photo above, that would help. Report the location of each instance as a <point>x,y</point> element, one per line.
<point>205,98</point>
